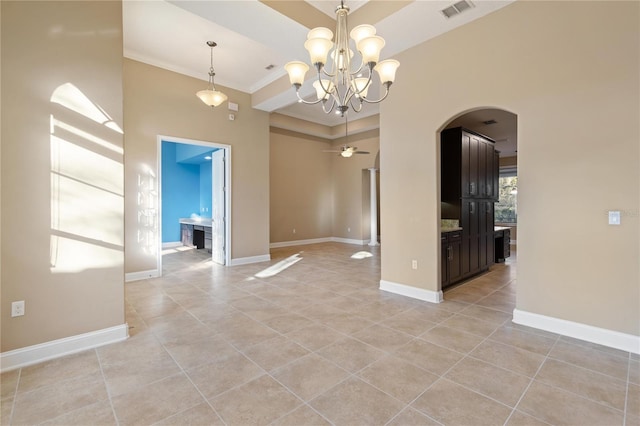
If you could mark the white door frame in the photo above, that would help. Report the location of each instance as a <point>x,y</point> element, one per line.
<point>227,195</point>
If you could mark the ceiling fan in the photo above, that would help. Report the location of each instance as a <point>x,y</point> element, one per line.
<point>345,150</point>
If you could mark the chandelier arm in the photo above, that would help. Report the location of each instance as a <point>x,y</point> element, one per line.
<point>358,108</point>
<point>324,89</point>
<point>303,101</point>
<point>359,70</point>
<point>364,87</point>
<point>333,104</point>
<point>386,93</point>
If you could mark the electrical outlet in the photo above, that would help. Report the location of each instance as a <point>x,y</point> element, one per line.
<point>348,229</point>
<point>414,264</point>
<point>294,230</point>
<point>17,308</point>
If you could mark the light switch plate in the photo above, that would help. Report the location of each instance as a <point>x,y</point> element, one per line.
<point>614,217</point>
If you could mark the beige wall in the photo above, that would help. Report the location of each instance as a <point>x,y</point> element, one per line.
<point>351,186</point>
<point>62,194</point>
<point>160,102</point>
<point>300,187</point>
<point>570,71</point>
<point>321,195</point>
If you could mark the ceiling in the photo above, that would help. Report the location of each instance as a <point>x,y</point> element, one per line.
<point>253,34</point>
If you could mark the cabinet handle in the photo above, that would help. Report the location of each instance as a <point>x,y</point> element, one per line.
<point>450,253</point>
<point>472,188</point>
<point>472,207</point>
<point>488,189</point>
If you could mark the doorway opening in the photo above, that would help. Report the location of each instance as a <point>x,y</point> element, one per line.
<point>194,197</point>
<point>478,174</point>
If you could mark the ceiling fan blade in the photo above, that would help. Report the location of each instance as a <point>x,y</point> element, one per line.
<point>362,152</point>
<point>327,150</point>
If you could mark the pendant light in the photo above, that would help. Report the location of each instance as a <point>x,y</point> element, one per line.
<point>211,96</point>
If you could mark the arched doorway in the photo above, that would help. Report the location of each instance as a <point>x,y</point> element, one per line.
<point>478,193</point>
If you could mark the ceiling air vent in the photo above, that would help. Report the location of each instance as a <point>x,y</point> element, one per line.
<point>488,122</point>
<point>457,8</point>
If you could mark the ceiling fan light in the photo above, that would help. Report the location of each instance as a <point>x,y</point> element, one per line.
<point>320,32</point>
<point>362,31</point>
<point>318,49</point>
<point>370,48</point>
<point>213,98</point>
<point>346,153</point>
<point>387,70</point>
<point>296,71</point>
<point>320,88</point>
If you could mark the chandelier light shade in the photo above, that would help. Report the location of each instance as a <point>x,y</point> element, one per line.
<point>340,85</point>
<point>211,96</point>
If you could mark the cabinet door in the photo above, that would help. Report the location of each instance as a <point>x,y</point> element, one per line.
<point>474,154</point>
<point>496,176</point>
<point>444,264</point>
<point>486,233</point>
<point>470,236</point>
<point>455,264</point>
<point>507,243</point>
<point>465,161</point>
<point>482,168</point>
<point>489,170</point>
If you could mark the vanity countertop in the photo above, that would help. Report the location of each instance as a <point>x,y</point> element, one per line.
<point>450,229</point>
<point>203,221</point>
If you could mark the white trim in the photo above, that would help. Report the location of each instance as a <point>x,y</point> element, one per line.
<point>318,240</point>
<point>300,242</point>
<point>348,241</point>
<point>141,275</point>
<point>173,244</point>
<point>413,292</point>
<point>252,259</point>
<point>23,357</point>
<point>601,336</point>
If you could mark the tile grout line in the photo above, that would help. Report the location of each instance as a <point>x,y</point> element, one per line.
<point>515,407</point>
<point>106,385</point>
<point>15,396</point>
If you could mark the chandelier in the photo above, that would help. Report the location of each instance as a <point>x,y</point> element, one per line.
<point>343,86</point>
<point>211,96</point>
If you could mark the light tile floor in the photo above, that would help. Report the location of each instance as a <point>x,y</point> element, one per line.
<point>318,344</point>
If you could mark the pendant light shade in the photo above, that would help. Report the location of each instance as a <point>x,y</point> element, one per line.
<point>213,98</point>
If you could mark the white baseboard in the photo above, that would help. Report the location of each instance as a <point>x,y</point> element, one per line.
<point>251,259</point>
<point>300,242</point>
<point>349,241</point>
<point>141,275</point>
<point>413,292</point>
<point>172,244</point>
<point>601,336</point>
<point>23,357</point>
<point>318,240</point>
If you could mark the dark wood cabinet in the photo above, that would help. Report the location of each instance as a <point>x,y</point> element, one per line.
<point>451,265</point>
<point>502,241</point>
<point>469,188</point>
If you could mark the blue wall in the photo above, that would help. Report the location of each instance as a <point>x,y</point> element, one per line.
<point>205,189</point>
<point>180,192</point>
